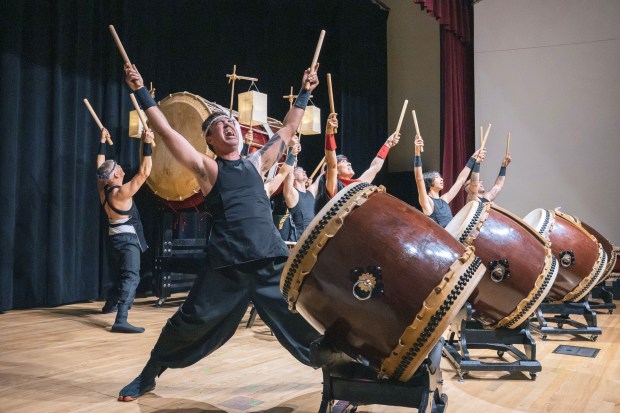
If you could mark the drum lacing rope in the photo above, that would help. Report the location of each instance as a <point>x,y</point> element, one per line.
<point>315,233</point>
<point>543,228</point>
<point>540,291</point>
<point>437,317</point>
<point>601,266</point>
<point>472,223</point>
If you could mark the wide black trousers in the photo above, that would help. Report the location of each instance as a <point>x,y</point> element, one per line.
<point>217,302</point>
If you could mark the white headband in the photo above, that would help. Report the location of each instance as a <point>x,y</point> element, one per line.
<point>215,119</point>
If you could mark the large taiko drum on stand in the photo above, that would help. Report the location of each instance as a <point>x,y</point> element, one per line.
<point>520,266</point>
<point>379,279</point>
<point>608,247</point>
<point>186,112</point>
<point>580,256</point>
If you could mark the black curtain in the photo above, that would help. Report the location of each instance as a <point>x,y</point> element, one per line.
<point>56,53</point>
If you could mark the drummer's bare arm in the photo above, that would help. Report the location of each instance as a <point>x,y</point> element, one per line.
<point>291,196</point>
<point>425,201</point>
<point>274,148</point>
<point>102,142</point>
<point>461,178</point>
<point>499,182</point>
<point>331,172</point>
<point>314,186</point>
<point>203,167</point>
<point>130,188</point>
<point>377,163</point>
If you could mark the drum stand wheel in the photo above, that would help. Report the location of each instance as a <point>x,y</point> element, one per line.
<point>354,384</point>
<point>563,323</point>
<point>503,340</point>
<point>607,299</point>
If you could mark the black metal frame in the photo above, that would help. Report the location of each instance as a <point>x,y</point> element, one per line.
<point>606,296</point>
<point>563,311</point>
<point>346,379</point>
<point>473,335</point>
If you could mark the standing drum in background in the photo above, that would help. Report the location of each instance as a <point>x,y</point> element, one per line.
<point>520,266</point>
<point>580,256</point>
<point>379,279</point>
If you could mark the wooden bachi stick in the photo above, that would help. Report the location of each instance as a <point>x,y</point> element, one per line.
<point>486,135</point>
<point>317,168</point>
<point>508,144</point>
<point>96,118</point>
<point>402,115</point>
<point>119,44</point>
<point>140,114</point>
<point>417,132</point>
<point>316,55</point>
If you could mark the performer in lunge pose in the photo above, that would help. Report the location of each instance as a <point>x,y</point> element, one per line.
<point>125,228</point>
<point>429,185</point>
<point>245,254</point>
<point>339,172</point>
<point>475,187</point>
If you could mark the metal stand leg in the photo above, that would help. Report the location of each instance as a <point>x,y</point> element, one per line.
<point>606,299</point>
<point>540,323</point>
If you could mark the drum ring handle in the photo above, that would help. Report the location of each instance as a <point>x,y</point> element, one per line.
<point>499,270</point>
<point>363,285</point>
<point>567,258</point>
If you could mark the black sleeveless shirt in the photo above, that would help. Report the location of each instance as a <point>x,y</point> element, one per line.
<point>442,214</point>
<point>303,212</point>
<point>121,226</point>
<point>322,197</point>
<point>242,229</point>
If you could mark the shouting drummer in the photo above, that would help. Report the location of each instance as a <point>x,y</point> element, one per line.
<point>429,185</point>
<point>475,187</point>
<point>339,172</point>
<point>246,255</point>
<point>125,228</point>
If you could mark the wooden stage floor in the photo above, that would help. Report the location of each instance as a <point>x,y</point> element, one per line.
<point>65,359</point>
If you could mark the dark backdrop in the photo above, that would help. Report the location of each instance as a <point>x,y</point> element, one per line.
<point>55,53</point>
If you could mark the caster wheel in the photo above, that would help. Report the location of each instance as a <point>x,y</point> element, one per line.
<point>544,337</point>
<point>533,376</point>
<point>560,325</point>
<point>159,303</point>
<point>593,338</point>
<point>500,353</point>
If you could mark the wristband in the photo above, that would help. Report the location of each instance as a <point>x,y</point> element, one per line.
<point>144,98</point>
<point>245,150</point>
<point>330,142</point>
<point>290,159</point>
<point>476,167</point>
<point>101,148</point>
<point>302,99</point>
<point>502,171</point>
<point>383,152</point>
<point>147,149</point>
<point>417,161</point>
<point>471,162</point>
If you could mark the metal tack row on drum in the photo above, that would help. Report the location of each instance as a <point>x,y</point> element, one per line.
<point>382,281</point>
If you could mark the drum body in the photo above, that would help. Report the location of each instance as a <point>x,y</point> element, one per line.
<point>581,258</point>
<point>186,112</point>
<point>520,266</point>
<point>610,250</point>
<point>379,279</point>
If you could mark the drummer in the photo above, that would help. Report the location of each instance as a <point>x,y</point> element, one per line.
<point>474,187</point>
<point>246,256</point>
<point>429,185</point>
<point>339,172</point>
<point>299,198</point>
<point>125,228</point>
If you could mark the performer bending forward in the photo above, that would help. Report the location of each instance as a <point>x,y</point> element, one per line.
<point>245,253</point>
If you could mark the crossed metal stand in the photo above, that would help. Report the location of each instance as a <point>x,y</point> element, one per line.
<point>564,324</point>
<point>347,380</point>
<point>472,335</point>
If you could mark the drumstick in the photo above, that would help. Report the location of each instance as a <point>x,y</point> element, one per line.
<point>486,135</point>
<point>508,144</point>
<point>316,55</point>
<point>331,96</point>
<point>119,45</point>
<point>418,150</point>
<point>317,168</point>
<point>97,121</point>
<point>140,114</point>
<point>402,115</point>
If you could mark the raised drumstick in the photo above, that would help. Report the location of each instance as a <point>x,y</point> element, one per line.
<point>317,168</point>
<point>331,96</point>
<point>140,114</point>
<point>402,116</point>
<point>119,45</point>
<point>486,135</point>
<point>417,132</point>
<point>508,144</point>
<point>316,55</point>
<point>97,121</point>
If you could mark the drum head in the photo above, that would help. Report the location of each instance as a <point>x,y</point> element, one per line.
<point>469,214</point>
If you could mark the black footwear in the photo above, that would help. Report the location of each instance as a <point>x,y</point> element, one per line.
<point>109,307</point>
<point>135,389</point>
<point>125,327</point>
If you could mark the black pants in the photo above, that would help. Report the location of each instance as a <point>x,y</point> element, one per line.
<point>215,306</point>
<point>127,254</point>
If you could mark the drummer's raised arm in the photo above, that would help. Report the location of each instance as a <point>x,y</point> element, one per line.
<point>275,147</point>
<point>201,165</point>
